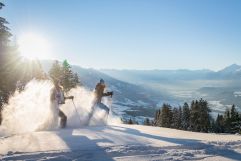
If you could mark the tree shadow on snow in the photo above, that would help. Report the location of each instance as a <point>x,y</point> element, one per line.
<point>80,147</point>
<point>83,148</point>
<point>189,144</point>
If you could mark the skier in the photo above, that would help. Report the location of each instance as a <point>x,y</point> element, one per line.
<point>99,93</point>
<point>57,97</point>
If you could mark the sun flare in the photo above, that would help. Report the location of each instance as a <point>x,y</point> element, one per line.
<point>34,46</point>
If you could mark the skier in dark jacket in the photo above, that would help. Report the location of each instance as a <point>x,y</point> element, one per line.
<point>99,93</point>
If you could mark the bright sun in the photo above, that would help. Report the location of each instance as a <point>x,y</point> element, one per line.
<point>33,46</point>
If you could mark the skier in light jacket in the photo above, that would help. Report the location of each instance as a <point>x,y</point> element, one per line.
<point>57,97</point>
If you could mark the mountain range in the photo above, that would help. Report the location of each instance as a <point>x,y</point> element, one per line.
<point>140,92</point>
<point>228,73</point>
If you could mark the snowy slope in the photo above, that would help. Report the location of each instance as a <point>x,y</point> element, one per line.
<point>120,142</point>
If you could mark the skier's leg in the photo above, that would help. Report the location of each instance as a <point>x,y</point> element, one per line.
<point>63,119</point>
<point>104,107</point>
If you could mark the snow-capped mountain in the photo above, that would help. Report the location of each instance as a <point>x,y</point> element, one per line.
<point>231,72</point>
<point>231,69</point>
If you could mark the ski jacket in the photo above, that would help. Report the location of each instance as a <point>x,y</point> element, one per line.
<point>58,95</point>
<point>99,92</point>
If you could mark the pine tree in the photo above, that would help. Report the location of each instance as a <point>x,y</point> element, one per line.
<point>65,75</point>
<point>4,33</point>
<point>186,117</point>
<point>157,120</point>
<point>4,68</point>
<point>77,80</point>
<point>234,120</point>
<point>227,121</point>
<point>204,117</point>
<point>9,60</point>
<point>179,125</point>
<point>166,116</point>
<point>147,122</point>
<point>68,77</point>
<point>56,71</point>
<point>130,121</point>
<point>212,125</point>
<point>219,124</point>
<point>199,116</point>
<point>175,118</point>
<point>194,116</point>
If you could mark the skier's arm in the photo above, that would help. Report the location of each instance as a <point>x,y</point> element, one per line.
<point>108,94</point>
<point>69,97</point>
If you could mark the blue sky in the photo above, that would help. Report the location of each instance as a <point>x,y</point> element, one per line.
<point>134,34</point>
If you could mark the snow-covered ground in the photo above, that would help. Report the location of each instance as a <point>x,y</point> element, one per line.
<point>120,142</point>
<point>31,111</point>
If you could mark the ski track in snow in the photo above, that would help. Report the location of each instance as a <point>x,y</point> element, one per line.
<point>120,142</point>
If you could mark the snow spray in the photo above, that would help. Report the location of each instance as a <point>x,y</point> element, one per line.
<point>83,100</point>
<point>31,110</point>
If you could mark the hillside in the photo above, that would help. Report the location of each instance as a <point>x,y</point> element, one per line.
<point>120,142</point>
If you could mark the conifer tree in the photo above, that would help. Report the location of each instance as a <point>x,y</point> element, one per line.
<point>147,122</point>
<point>175,118</point>
<point>227,121</point>
<point>68,80</point>
<point>56,71</point>
<point>9,66</point>
<point>179,118</point>
<point>204,117</point>
<point>166,116</point>
<point>219,124</point>
<point>186,116</point>
<point>64,74</point>
<point>157,120</point>
<point>234,119</point>
<point>194,116</point>
<point>130,121</point>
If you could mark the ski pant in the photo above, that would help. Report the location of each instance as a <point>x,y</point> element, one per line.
<point>63,119</point>
<point>103,107</point>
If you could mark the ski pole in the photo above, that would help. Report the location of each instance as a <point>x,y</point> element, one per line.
<point>76,111</point>
<point>110,109</point>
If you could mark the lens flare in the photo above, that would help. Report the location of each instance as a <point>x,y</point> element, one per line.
<point>34,46</point>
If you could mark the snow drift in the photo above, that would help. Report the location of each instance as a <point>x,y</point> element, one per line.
<point>31,109</point>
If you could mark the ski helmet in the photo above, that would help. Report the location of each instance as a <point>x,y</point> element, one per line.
<point>102,81</point>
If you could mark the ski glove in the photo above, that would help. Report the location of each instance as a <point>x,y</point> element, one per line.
<point>71,97</point>
<point>110,93</point>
